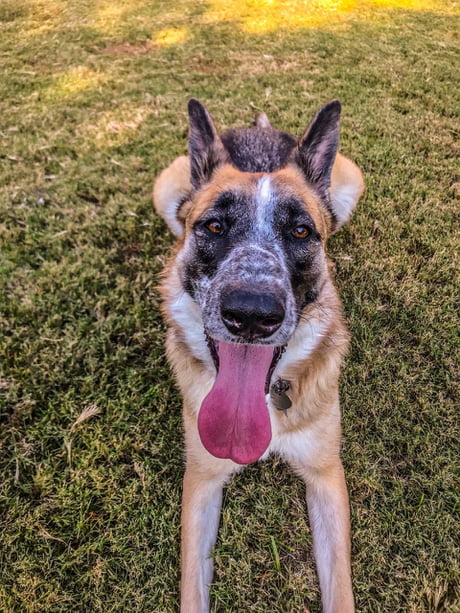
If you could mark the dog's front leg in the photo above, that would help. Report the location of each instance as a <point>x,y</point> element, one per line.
<point>329,514</point>
<point>201,502</point>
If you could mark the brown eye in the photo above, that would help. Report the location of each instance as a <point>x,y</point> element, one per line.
<point>301,232</point>
<point>215,227</point>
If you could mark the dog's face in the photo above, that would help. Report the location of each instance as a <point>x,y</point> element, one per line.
<point>254,254</point>
<point>254,246</point>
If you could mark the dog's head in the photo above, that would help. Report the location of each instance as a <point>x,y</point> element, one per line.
<point>254,211</point>
<point>260,213</point>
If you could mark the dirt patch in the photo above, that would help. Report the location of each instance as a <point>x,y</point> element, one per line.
<point>125,48</point>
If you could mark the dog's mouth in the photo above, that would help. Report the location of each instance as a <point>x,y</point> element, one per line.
<point>234,421</point>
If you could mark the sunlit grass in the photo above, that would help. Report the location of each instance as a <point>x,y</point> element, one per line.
<point>171,36</point>
<point>109,15</point>
<point>73,81</point>
<point>252,16</point>
<point>262,16</point>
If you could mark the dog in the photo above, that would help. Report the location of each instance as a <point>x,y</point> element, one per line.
<point>256,334</point>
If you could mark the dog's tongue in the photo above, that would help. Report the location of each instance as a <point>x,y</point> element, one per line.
<point>233,421</point>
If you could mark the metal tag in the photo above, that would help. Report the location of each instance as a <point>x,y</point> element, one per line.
<point>278,395</point>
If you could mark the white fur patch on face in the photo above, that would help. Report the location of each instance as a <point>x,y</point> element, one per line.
<point>187,315</point>
<point>265,199</point>
<point>264,190</point>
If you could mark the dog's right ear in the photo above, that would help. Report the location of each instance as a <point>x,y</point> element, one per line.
<point>206,149</point>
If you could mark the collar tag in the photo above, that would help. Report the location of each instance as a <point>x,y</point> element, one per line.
<point>278,395</point>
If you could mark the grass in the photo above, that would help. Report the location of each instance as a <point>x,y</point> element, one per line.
<point>92,107</point>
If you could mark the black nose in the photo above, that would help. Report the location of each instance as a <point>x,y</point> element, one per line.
<point>251,315</point>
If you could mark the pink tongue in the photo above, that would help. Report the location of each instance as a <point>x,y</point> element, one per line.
<point>233,421</point>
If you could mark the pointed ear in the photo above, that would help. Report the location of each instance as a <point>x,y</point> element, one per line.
<point>205,146</point>
<point>317,148</point>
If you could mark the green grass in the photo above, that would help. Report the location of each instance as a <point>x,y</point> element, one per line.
<point>92,108</point>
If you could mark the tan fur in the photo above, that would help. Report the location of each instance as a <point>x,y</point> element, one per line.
<point>171,187</point>
<point>291,183</point>
<point>314,416</point>
<point>347,183</point>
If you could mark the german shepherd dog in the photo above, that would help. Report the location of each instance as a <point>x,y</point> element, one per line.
<point>255,329</point>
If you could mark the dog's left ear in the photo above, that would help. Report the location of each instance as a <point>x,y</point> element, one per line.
<point>206,149</point>
<point>336,179</point>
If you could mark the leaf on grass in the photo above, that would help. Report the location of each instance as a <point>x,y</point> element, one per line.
<point>16,472</point>
<point>276,556</point>
<point>87,413</point>
<point>68,446</point>
<point>45,534</point>
<point>140,472</point>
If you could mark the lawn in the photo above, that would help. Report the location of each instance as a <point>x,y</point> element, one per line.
<point>93,106</point>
